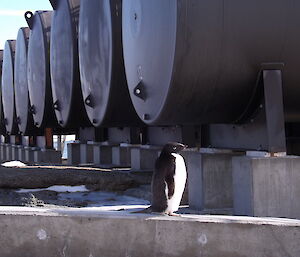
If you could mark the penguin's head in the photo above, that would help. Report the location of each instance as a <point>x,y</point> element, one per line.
<point>174,147</point>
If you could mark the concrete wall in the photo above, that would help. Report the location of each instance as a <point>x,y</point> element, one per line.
<point>91,234</point>
<point>267,186</point>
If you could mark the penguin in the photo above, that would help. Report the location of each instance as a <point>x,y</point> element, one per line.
<point>168,180</point>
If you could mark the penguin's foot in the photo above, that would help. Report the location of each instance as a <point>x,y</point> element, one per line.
<point>174,214</point>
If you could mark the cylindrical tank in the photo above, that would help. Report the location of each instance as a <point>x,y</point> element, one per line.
<point>102,71</point>
<point>64,64</point>
<point>8,96</point>
<point>2,125</point>
<point>38,70</point>
<point>196,62</point>
<point>24,116</point>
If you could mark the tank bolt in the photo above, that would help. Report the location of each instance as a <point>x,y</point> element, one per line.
<point>18,120</point>
<point>89,101</point>
<point>94,121</point>
<point>140,91</point>
<point>36,124</point>
<point>61,122</point>
<point>146,116</point>
<point>56,105</point>
<point>32,109</point>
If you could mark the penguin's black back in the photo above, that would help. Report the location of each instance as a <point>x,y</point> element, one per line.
<point>163,175</point>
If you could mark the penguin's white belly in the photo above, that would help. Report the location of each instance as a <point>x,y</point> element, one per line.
<point>179,183</point>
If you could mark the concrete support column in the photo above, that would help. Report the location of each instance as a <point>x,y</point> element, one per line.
<point>210,180</point>
<point>266,186</point>
<point>14,153</point>
<point>3,152</point>
<point>29,154</point>
<point>8,149</point>
<point>144,157</point>
<point>21,153</point>
<point>73,153</point>
<point>102,153</point>
<point>86,153</point>
<point>49,156</point>
<point>121,155</point>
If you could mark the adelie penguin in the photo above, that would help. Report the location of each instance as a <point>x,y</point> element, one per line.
<point>168,181</point>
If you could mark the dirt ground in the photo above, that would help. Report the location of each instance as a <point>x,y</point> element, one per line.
<point>103,186</point>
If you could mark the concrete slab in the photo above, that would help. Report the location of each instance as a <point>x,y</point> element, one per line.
<point>95,232</point>
<point>266,186</point>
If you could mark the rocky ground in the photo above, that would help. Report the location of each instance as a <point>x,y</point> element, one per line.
<point>62,186</point>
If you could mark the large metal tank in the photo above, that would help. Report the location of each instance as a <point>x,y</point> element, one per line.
<point>39,82</point>
<point>103,80</point>
<point>8,96</point>
<point>24,116</point>
<point>195,62</point>
<point>2,125</point>
<point>64,64</point>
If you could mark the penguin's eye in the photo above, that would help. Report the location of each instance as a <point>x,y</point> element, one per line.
<point>174,148</point>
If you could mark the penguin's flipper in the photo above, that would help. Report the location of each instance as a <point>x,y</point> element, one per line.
<point>170,180</point>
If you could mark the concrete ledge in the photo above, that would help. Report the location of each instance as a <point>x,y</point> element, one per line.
<point>92,232</point>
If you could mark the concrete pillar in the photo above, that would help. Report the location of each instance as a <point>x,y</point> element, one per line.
<point>73,153</point>
<point>210,180</point>
<point>49,156</point>
<point>266,186</point>
<point>121,155</point>
<point>52,156</point>
<point>3,152</point>
<point>144,157</point>
<point>86,153</point>
<point>14,153</point>
<point>38,156</point>
<point>102,153</point>
<point>29,154</point>
<point>8,149</point>
<point>21,153</point>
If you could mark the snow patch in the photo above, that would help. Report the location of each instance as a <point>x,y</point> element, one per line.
<point>13,164</point>
<point>59,189</point>
<point>41,234</point>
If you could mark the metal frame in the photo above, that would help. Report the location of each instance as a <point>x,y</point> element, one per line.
<point>264,128</point>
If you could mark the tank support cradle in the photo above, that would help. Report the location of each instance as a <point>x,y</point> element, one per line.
<point>265,129</point>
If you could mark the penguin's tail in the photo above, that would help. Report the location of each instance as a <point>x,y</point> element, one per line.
<point>147,210</point>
